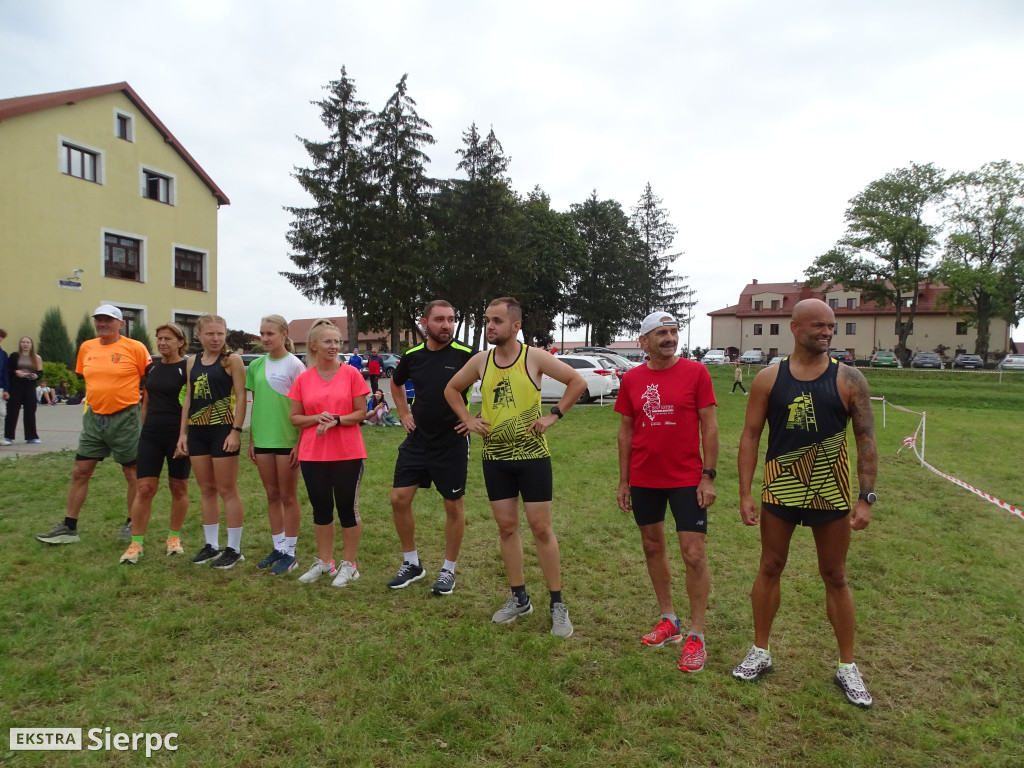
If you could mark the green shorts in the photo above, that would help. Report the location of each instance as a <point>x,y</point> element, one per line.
<point>117,433</point>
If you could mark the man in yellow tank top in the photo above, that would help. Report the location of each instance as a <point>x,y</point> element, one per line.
<point>515,453</point>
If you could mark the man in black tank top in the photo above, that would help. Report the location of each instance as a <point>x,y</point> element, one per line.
<point>807,401</point>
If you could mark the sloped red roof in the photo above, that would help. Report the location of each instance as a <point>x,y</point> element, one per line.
<point>23,105</point>
<point>298,330</point>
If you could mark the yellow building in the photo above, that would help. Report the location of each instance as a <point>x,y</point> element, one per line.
<point>100,204</point>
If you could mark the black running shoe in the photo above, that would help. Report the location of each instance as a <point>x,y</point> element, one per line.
<point>445,583</point>
<point>227,559</point>
<point>406,575</point>
<point>205,555</point>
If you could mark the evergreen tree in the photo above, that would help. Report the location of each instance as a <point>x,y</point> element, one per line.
<point>140,334</point>
<point>86,331</point>
<point>397,253</point>
<point>331,238</point>
<point>54,344</point>
<point>658,288</point>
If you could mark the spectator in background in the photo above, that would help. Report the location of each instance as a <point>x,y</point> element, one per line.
<point>63,393</point>
<point>356,361</point>
<point>24,368</point>
<point>377,408</point>
<point>374,363</point>
<point>45,395</point>
<point>737,380</point>
<point>4,386</point>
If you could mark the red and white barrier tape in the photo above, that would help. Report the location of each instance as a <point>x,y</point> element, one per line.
<point>911,442</point>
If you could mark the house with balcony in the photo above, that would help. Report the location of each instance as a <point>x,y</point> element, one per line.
<point>101,204</point>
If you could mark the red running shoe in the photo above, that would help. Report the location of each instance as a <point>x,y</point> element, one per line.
<point>665,631</point>
<point>694,655</point>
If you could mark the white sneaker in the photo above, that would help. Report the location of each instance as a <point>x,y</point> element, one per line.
<point>346,572</point>
<point>849,681</point>
<point>316,570</point>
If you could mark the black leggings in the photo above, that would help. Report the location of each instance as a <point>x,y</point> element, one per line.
<point>22,397</point>
<point>331,483</point>
<point>738,384</point>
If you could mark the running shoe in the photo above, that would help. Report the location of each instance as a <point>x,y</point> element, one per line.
<point>132,554</point>
<point>848,680</point>
<point>125,534</point>
<point>228,559</point>
<point>317,569</point>
<point>206,554</point>
<point>665,631</point>
<point>756,664</point>
<point>5,441</point>
<point>445,583</point>
<point>270,559</point>
<point>34,441</point>
<point>174,546</point>
<point>59,534</point>
<point>286,564</point>
<point>347,572</point>
<point>406,575</point>
<point>694,655</point>
<point>512,610</point>
<point>560,624</point>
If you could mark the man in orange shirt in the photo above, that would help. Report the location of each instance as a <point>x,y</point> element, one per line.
<point>113,366</point>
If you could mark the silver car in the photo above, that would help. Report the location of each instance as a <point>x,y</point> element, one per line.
<point>1012,363</point>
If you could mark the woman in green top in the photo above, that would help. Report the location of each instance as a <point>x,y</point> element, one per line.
<point>274,442</point>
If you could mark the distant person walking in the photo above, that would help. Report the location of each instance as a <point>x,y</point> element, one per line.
<point>113,366</point>
<point>24,368</point>
<point>162,395</point>
<point>374,367</point>
<point>211,435</point>
<point>737,380</point>
<point>808,400</point>
<point>274,440</point>
<point>328,405</point>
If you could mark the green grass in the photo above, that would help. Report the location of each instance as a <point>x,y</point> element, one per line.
<point>252,670</point>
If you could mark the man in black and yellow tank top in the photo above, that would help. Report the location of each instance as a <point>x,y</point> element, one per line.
<point>515,453</point>
<point>807,401</point>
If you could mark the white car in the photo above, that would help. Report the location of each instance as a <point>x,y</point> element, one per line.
<point>752,357</point>
<point>775,360</point>
<point>715,357</point>
<point>601,381</point>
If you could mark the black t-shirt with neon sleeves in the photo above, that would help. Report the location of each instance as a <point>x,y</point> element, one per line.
<point>430,373</point>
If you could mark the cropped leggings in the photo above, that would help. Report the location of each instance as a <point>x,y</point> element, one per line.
<point>333,484</point>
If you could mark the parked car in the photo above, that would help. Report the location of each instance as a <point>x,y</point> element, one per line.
<point>885,359</point>
<point>1012,363</point>
<point>620,364</point>
<point>715,357</point>
<point>752,357</point>
<point>776,360</point>
<point>601,381</point>
<point>927,360</point>
<point>968,362</point>
<point>842,356</point>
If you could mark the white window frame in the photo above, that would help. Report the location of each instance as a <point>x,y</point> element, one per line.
<point>131,124</point>
<point>172,179</point>
<point>193,312</point>
<point>142,309</point>
<point>143,252</point>
<point>63,142</point>
<point>206,265</point>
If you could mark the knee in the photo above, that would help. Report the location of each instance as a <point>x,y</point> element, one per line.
<point>399,502</point>
<point>834,576</point>
<point>772,565</point>
<point>542,533</point>
<point>146,491</point>
<point>653,547</point>
<point>81,474</point>
<point>694,556</point>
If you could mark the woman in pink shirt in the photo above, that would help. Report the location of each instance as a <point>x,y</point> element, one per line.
<point>329,404</point>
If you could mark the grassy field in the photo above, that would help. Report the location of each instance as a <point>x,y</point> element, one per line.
<point>251,670</point>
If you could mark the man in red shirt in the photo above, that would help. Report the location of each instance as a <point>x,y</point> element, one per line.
<point>668,415</point>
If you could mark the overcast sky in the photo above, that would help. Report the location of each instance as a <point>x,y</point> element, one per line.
<point>755,122</point>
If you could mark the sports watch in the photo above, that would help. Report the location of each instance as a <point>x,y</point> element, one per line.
<point>712,473</point>
<point>869,497</point>
<point>557,411</point>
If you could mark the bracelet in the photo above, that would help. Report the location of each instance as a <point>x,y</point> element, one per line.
<point>236,429</point>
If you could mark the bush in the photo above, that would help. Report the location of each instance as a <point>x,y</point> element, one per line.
<point>55,373</point>
<point>53,343</point>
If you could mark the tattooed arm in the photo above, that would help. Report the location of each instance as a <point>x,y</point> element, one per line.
<point>853,388</point>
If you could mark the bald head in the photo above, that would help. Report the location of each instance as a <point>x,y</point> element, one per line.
<point>812,324</point>
<point>809,308</point>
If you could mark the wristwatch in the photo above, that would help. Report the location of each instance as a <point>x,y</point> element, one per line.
<point>236,429</point>
<point>557,411</point>
<point>712,473</point>
<point>869,497</point>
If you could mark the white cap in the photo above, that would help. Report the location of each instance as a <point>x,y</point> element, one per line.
<point>656,320</point>
<point>109,310</point>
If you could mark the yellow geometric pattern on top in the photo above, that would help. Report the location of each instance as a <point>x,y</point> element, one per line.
<point>816,477</point>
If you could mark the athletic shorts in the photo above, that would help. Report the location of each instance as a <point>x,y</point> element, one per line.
<point>529,478</point>
<point>802,516</point>
<point>275,451</point>
<point>115,434</point>
<point>154,449</point>
<point>208,440</point>
<point>649,507</point>
<point>446,467</point>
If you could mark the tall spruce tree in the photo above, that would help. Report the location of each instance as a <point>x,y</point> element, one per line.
<point>86,331</point>
<point>397,252</point>
<point>659,288</point>
<point>54,344</point>
<point>331,238</point>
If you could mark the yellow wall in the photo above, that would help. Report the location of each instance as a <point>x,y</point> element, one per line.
<point>52,223</point>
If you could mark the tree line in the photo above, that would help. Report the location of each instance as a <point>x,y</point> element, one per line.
<point>962,229</point>
<point>382,237</point>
